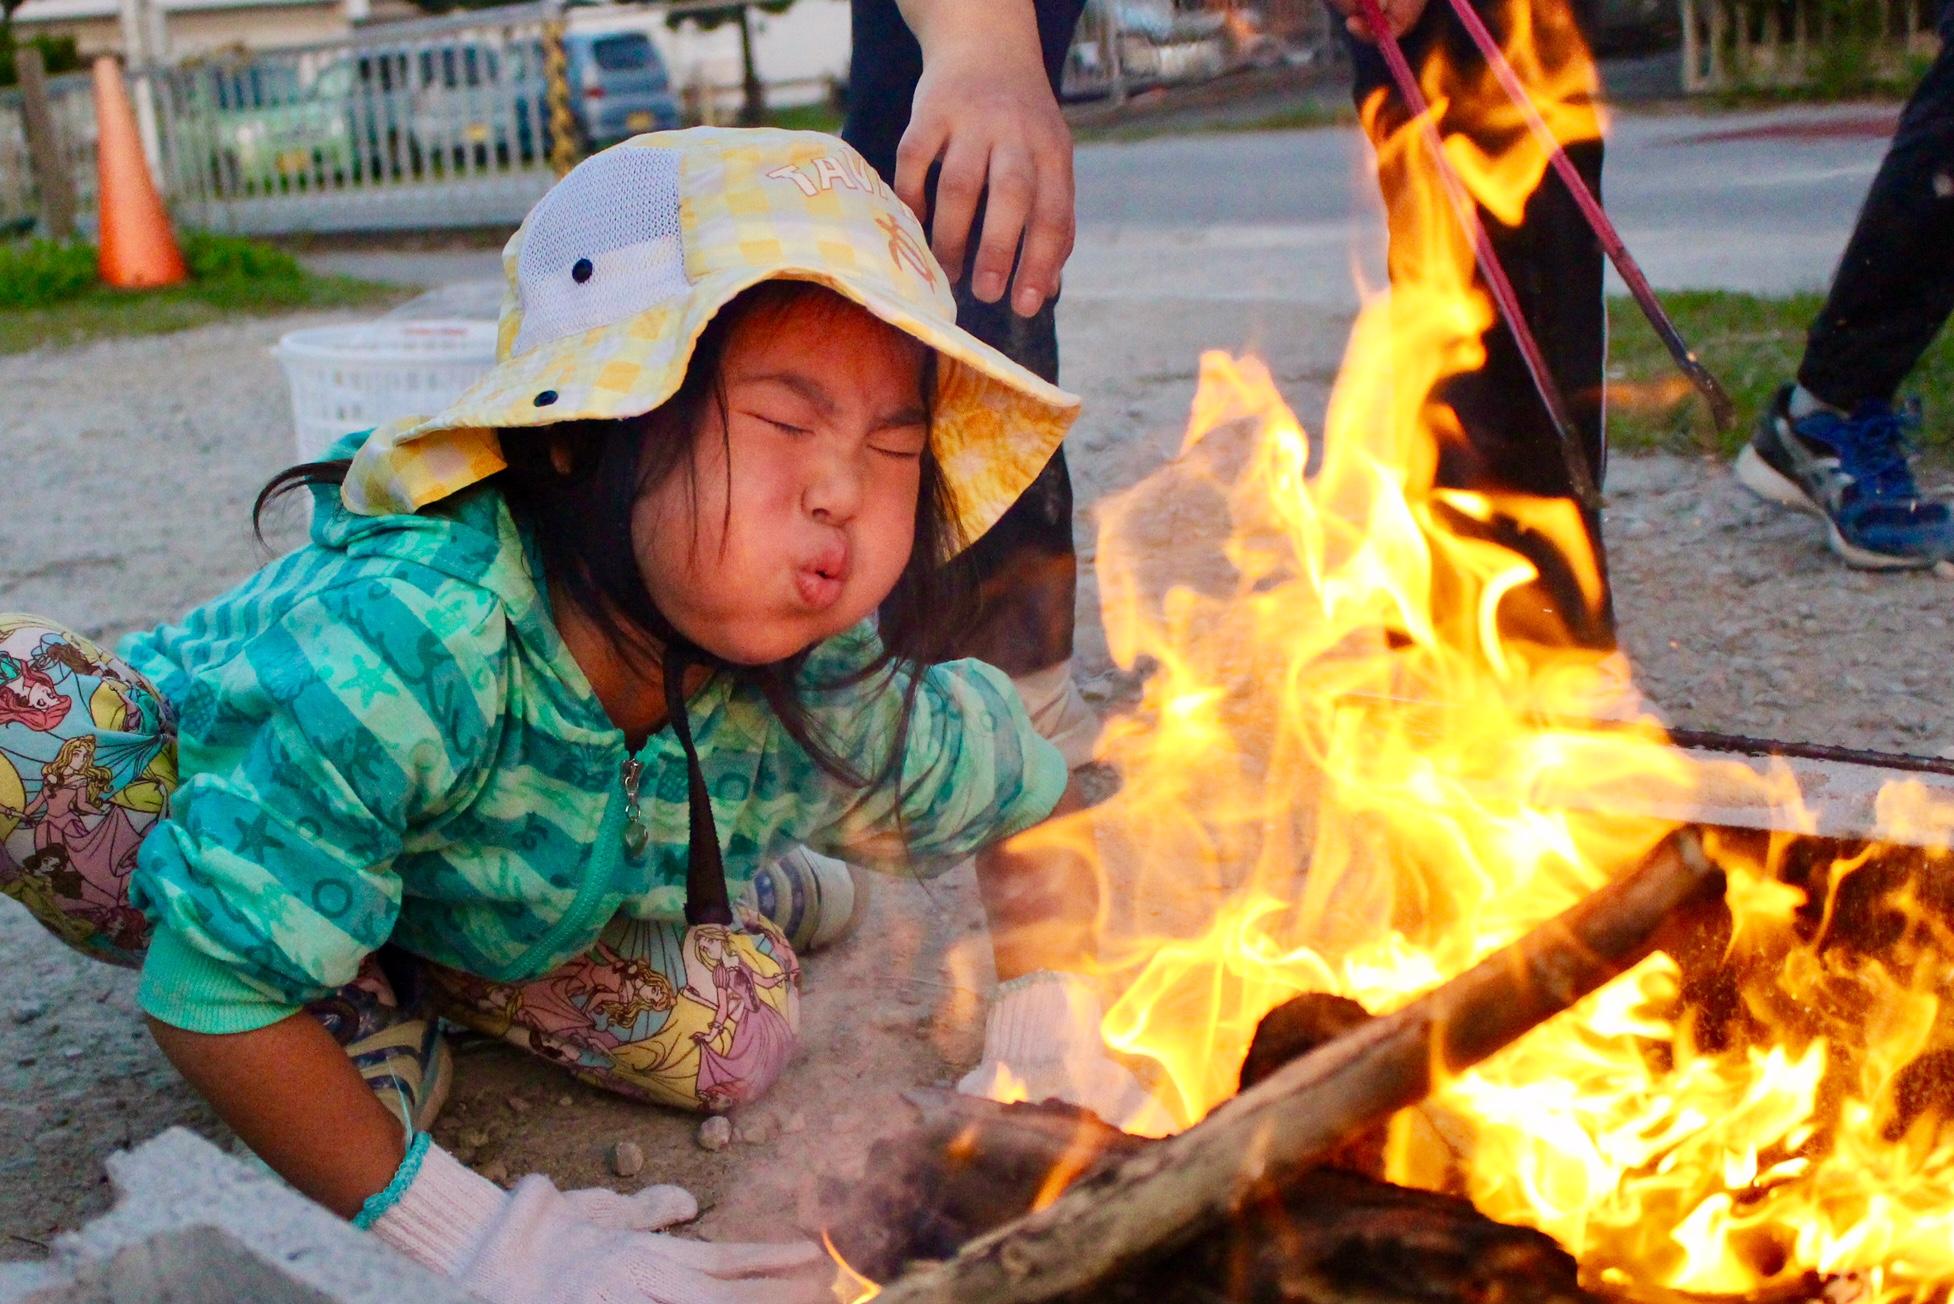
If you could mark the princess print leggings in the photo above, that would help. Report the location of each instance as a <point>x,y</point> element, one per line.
<point>699,1018</point>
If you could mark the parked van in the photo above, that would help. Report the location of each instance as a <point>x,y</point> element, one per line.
<point>472,100</point>
<point>264,127</point>
<point>618,86</point>
<point>407,107</point>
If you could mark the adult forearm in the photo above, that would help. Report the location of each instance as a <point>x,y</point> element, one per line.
<point>1042,899</point>
<point>1000,31</point>
<point>290,1093</point>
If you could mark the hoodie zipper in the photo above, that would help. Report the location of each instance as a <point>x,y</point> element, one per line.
<point>635,834</point>
<point>620,828</point>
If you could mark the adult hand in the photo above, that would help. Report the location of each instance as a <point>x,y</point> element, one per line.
<point>1399,14</point>
<point>536,1244</point>
<point>984,110</point>
<point>1042,1042</point>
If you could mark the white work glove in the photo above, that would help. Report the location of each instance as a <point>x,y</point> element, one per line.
<point>1042,1041</point>
<point>538,1245</point>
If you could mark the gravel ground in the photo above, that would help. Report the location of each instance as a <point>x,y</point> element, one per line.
<point>130,468</point>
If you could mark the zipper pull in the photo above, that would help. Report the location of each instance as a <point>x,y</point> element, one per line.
<point>635,834</point>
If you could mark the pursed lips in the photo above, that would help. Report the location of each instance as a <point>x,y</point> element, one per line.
<point>820,578</point>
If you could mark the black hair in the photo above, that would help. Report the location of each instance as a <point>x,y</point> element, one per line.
<point>573,485</point>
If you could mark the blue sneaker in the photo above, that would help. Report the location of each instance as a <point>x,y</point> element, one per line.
<point>395,1044</point>
<point>1856,472</point>
<point>814,900</point>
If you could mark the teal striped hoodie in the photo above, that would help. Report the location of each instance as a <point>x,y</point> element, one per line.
<point>382,737</point>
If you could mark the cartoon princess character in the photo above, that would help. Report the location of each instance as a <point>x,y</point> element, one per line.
<point>28,696</point>
<point>60,653</point>
<point>72,791</point>
<point>592,1002</point>
<point>640,990</point>
<point>33,883</point>
<point>138,712</point>
<point>762,1039</point>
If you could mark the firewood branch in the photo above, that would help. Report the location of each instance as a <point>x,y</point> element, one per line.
<point>1270,1134</point>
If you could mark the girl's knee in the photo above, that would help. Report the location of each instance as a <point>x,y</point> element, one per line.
<point>87,764</point>
<point>701,1018</point>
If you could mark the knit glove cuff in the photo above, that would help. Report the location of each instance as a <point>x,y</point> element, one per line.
<point>443,1213</point>
<point>1042,1017</point>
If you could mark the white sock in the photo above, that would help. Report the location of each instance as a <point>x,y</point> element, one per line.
<point>1804,403</point>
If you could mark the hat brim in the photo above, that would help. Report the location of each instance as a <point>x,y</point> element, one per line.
<point>995,423</point>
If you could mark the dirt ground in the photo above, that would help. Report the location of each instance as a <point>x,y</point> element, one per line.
<point>130,466</point>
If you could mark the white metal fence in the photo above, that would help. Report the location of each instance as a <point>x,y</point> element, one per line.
<point>425,124</point>
<point>444,122</point>
<point>436,123</point>
<point>73,110</point>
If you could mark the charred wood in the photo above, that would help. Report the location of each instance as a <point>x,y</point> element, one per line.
<point>1332,1235</point>
<point>1256,1149</point>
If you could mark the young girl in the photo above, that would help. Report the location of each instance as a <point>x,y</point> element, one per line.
<point>560,668</point>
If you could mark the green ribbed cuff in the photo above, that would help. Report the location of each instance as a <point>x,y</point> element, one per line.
<point>1045,777</point>
<point>187,989</point>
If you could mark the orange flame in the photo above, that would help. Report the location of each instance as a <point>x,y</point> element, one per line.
<point>1344,775</point>
<point>850,1287</point>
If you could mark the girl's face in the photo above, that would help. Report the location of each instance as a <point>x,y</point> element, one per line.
<point>805,509</point>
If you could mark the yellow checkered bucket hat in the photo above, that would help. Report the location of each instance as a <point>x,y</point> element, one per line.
<point>619,268</point>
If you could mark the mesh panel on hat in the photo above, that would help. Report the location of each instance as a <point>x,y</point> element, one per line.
<point>614,223</point>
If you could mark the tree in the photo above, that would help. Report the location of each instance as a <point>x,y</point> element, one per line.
<point>58,53</point>
<point>753,95</point>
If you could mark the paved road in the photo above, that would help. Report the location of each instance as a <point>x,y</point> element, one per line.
<point>1759,202</point>
<point>1755,201</point>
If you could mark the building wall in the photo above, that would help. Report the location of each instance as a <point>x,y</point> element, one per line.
<point>198,31</point>
<point>194,32</point>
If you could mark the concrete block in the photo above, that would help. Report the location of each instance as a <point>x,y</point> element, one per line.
<point>192,1225</point>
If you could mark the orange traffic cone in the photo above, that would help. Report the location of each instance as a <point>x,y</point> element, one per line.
<point>137,249</point>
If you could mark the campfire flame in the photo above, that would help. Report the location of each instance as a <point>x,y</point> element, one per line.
<point>1341,776</point>
<point>850,1286</point>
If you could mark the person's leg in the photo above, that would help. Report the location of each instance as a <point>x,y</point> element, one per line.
<point>698,1018</point>
<point>1833,443</point>
<point>87,768</point>
<point>1508,444</point>
<point>1024,570</point>
<point>87,765</point>
<point>1894,287</point>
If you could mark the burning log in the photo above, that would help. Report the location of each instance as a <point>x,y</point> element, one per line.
<point>1264,1141</point>
<point>1337,1234</point>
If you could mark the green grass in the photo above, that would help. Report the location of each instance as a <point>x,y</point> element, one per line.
<point>806,117</point>
<point>1841,70</point>
<point>49,294</point>
<point>1753,344</point>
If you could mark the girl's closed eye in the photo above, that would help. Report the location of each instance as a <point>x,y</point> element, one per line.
<point>906,444</point>
<point>779,423</point>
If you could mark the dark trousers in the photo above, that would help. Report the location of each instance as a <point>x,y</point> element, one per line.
<point>1895,285</point>
<point>1554,261</point>
<point>1024,569</point>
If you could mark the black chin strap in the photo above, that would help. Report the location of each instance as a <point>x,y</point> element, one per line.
<point>705,874</point>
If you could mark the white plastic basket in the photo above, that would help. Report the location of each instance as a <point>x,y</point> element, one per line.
<point>347,378</point>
